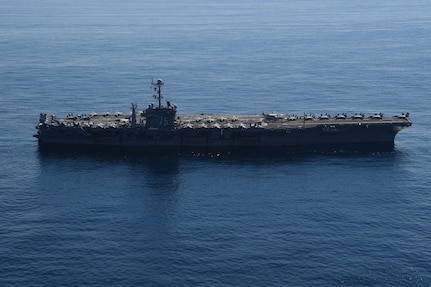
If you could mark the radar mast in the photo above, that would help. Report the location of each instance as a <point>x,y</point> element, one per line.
<point>158,91</point>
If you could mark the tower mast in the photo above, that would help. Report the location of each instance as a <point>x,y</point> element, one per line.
<point>157,88</point>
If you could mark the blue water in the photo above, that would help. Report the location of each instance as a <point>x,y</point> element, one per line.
<point>316,219</point>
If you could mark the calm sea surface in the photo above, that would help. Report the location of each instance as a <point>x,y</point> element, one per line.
<point>311,219</point>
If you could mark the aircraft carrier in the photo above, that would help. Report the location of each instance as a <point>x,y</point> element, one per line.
<point>159,126</point>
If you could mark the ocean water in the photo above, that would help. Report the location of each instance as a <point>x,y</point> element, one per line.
<point>338,218</point>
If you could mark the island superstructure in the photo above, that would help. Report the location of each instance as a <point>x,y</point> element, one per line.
<point>159,126</point>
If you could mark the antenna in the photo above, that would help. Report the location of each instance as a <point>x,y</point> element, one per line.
<point>158,91</point>
<point>133,108</point>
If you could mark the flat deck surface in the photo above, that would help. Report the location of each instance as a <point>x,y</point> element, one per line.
<point>267,121</point>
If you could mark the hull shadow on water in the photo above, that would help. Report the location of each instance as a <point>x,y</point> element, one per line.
<point>160,170</point>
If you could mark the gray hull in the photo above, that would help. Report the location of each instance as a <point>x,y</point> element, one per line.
<point>321,134</point>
